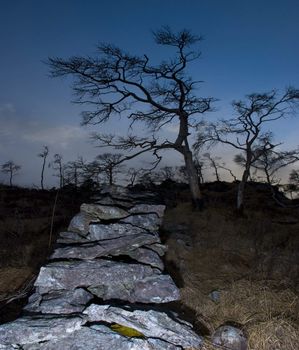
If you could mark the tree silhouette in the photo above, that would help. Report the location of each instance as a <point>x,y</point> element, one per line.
<point>10,168</point>
<point>58,166</point>
<point>116,83</point>
<point>43,155</point>
<point>109,164</point>
<point>245,131</point>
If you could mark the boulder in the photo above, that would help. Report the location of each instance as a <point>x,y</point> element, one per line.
<point>232,338</point>
<point>59,302</point>
<point>152,324</point>
<point>108,280</point>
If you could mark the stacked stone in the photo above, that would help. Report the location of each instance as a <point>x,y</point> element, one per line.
<point>110,255</point>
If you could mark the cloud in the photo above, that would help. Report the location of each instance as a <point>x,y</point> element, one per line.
<point>62,136</point>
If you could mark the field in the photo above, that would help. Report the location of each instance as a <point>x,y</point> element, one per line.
<point>251,261</point>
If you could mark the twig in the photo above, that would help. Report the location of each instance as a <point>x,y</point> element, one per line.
<point>52,219</point>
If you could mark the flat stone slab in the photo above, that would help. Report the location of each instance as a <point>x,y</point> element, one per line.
<point>148,257</point>
<point>151,323</point>
<point>109,280</point>
<point>100,338</point>
<point>150,222</point>
<point>126,245</point>
<point>125,204</point>
<point>28,330</point>
<point>98,232</point>
<point>103,212</point>
<point>59,302</point>
<point>68,237</point>
<point>80,223</point>
<point>148,209</point>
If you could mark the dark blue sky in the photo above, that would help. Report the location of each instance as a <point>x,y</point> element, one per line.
<point>248,46</point>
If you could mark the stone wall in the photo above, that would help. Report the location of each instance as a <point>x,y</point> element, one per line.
<point>102,284</point>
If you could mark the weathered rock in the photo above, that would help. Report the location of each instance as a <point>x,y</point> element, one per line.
<point>103,212</point>
<point>115,191</point>
<point>98,232</point>
<point>159,248</point>
<point>80,223</point>
<point>150,222</point>
<point>148,209</point>
<point>147,256</point>
<point>28,330</point>
<point>126,204</point>
<point>59,302</point>
<point>151,323</point>
<point>153,289</point>
<point>109,280</point>
<point>101,338</point>
<point>230,337</point>
<point>116,246</point>
<point>68,237</point>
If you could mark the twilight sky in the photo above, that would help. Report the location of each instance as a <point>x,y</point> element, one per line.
<point>248,46</point>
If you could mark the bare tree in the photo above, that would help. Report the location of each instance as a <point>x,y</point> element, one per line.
<point>271,161</point>
<point>213,161</point>
<point>58,166</point>
<point>133,175</point>
<point>73,171</point>
<point>118,83</point>
<point>245,131</point>
<point>109,165</point>
<point>43,155</point>
<point>10,168</point>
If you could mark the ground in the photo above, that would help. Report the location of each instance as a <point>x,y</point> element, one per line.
<point>251,260</point>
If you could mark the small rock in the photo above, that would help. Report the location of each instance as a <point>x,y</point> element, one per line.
<point>230,337</point>
<point>215,296</point>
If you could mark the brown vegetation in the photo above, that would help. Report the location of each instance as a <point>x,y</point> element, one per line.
<point>252,261</point>
<point>25,226</point>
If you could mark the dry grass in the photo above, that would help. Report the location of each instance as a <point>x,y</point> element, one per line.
<point>232,256</point>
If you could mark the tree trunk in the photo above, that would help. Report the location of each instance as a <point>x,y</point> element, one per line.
<point>241,190</point>
<point>10,179</point>
<point>42,175</point>
<point>196,195</point>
